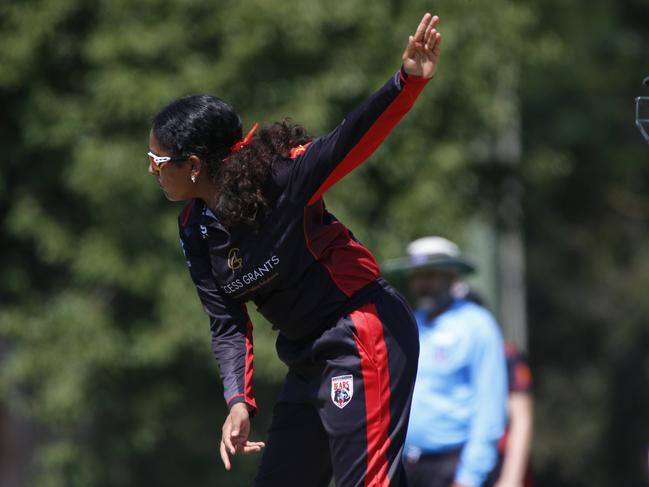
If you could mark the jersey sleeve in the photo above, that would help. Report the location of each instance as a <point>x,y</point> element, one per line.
<point>230,327</point>
<point>329,158</point>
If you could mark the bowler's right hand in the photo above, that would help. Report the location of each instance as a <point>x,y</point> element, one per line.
<point>234,435</point>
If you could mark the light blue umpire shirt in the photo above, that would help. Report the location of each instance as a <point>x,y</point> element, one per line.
<point>461,389</point>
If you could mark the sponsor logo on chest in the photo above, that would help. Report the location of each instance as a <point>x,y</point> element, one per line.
<point>342,390</point>
<point>234,261</point>
<point>248,279</point>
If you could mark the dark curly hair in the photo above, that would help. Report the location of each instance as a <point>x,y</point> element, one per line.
<point>208,127</point>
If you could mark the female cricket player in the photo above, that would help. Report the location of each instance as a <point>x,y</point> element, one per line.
<point>255,228</point>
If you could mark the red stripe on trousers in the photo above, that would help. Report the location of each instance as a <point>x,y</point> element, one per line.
<point>376,380</point>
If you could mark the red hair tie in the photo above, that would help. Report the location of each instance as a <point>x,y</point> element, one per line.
<point>236,147</point>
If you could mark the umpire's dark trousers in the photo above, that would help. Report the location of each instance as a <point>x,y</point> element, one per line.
<point>436,470</point>
<point>345,404</point>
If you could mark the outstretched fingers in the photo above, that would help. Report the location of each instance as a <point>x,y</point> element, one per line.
<point>252,447</point>
<point>426,39</point>
<point>421,28</point>
<point>433,43</point>
<point>438,42</point>
<point>421,56</point>
<point>411,48</point>
<point>430,28</point>
<point>432,38</point>
<point>247,448</point>
<point>225,458</point>
<point>417,41</point>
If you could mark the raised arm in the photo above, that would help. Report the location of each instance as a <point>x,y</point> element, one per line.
<point>329,158</point>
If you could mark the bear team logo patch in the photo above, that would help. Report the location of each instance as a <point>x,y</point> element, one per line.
<point>342,390</point>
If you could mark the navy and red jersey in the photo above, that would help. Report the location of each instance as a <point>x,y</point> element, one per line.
<point>301,267</point>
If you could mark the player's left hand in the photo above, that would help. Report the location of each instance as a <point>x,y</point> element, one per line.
<point>422,53</point>
<point>234,435</point>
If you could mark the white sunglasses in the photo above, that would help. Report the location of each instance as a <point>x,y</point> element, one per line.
<point>157,161</point>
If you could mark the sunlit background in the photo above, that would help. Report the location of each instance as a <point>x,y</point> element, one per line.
<point>523,150</point>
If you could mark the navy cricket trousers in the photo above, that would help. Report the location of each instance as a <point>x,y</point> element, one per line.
<point>345,404</point>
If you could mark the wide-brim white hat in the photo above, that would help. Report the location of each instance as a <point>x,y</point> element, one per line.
<point>435,253</point>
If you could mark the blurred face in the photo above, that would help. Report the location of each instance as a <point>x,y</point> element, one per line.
<point>174,178</point>
<point>431,283</point>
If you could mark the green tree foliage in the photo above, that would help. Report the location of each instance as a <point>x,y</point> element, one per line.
<point>586,220</point>
<point>108,345</point>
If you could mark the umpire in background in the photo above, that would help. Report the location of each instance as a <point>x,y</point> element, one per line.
<point>459,403</point>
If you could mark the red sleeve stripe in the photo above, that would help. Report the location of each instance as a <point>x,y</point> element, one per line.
<point>376,134</point>
<point>249,371</point>
<point>373,352</point>
<point>247,394</point>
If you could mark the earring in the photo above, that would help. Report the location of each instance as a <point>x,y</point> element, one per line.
<point>193,177</point>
